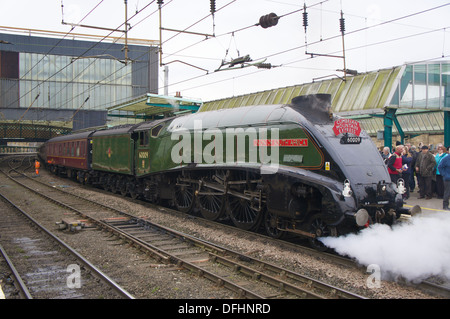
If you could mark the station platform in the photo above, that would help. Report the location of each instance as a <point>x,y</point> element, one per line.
<point>428,206</point>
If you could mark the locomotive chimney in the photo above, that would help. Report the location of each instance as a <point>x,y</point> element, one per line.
<point>315,107</point>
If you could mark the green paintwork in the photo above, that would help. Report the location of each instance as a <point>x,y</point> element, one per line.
<point>206,153</point>
<point>113,153</point>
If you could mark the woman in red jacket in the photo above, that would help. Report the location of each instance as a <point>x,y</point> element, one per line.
<point>394,164</point>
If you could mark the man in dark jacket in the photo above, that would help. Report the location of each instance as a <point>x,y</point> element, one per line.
<point>444,170</point>
<point>425,164</point>
<point>412,181</point>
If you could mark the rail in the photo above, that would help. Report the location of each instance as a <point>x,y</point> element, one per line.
<point>264,273</point>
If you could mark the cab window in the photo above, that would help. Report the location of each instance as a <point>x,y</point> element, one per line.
<point>143,138</point>
<point>156,130</point>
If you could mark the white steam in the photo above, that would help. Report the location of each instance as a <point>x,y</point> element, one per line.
<point>413,250</point>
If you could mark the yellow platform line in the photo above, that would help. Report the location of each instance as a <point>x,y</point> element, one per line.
<point>434,209</point>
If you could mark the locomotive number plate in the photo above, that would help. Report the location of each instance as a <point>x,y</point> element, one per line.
<point>143,154</point>
<point>350,140</point>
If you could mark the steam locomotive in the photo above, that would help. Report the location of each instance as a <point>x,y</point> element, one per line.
<point>294,168</point>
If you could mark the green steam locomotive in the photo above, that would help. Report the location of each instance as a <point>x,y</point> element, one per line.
<point>294,168</point>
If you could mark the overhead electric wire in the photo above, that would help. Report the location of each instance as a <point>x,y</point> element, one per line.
<point>358,30</point>
<point>163,42</point>
<point>197,22</point>
<point>374,44</point>
<point>85,52</point>
<point>54,46</point>
<point>110,75</point>
<point>362,29</point>
<point>117,29</point>
<point>55,73</point>
<point>308,58</point>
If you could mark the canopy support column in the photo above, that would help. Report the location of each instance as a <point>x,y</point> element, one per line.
<point>389,120</point>
<point>447,128</point>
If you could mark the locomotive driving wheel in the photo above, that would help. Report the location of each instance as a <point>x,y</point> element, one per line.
<point>244,201</point>
<point>319,229</point>
<point>243,214</point>
<point>184,197</point>
<point>211,206</point>
<point>210,201</point>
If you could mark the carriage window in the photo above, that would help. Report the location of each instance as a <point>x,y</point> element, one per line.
<point>82,148</point>
<point>143,138</point>
<point>78,149</point>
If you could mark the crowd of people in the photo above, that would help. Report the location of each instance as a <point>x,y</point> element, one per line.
<point>426,168</point>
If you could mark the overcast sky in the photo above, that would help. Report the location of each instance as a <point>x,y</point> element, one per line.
<point>421,31</point>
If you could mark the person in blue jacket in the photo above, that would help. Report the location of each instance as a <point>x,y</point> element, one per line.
<point>442,152</point>
<point>444,170</point>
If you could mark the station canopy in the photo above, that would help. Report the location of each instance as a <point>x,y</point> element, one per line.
<point>419,93</point>
<point>152,106</point>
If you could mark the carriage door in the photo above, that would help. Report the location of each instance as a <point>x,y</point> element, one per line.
<point>143,154</point>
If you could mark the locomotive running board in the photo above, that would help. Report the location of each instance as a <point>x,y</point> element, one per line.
<point>300,232</point>
<point>222,189</point>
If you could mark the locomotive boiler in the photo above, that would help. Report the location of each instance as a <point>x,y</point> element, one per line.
<point>293,168</point>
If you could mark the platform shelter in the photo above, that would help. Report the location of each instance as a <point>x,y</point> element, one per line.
<point>154,106</point>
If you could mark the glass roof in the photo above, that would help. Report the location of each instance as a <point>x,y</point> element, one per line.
<point>420,92</point>
<point>368,91</point>
<point>423,86</point>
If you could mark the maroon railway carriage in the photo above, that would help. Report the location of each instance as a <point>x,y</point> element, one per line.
<point>69,154</point>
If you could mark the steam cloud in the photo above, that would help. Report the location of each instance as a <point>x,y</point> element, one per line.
<point>413,250</point>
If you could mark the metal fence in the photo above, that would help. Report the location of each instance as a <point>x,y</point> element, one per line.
<point>30,131</point>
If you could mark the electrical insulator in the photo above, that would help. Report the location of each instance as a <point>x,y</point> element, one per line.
<point>264,66</point>
<point>269,20</point>
<point>213,6</point>
<point>342,22</point>
<point>305,17</point>
<point>160,2</point>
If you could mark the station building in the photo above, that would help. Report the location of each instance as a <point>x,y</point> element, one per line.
<point>67,81</point>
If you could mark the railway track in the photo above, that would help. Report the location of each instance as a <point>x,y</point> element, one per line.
<point>133,229</point>
<point>44,267</point>
<point>247,277</point>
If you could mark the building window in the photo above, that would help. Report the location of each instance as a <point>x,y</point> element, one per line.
<point>9,65</point>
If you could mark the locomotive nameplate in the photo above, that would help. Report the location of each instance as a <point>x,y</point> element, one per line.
<point>290,142</point>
